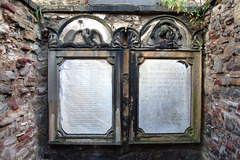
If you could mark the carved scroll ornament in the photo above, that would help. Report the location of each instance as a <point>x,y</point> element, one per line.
<point>166,35</point>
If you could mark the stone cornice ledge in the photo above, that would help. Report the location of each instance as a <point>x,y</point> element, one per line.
<point>30,4</point>
<point>103,8</point>
<point>106,8</point>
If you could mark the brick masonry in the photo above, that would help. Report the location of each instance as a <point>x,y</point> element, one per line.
<point>222,81</point>
<point>18,60</point>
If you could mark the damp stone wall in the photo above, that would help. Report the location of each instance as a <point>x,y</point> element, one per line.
<point>19,47</point>
<point>222,81</point>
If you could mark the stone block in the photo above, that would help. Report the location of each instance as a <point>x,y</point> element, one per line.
<point>237,12</point>
<point>42,70</point>
<point>4,28</point>
<point>226,33</point>
<point>1,15</point>
<point>6,89</point>
<point>29,84</point>
<point>235,81</point>
<point>231,104</point>
<point>2,134</point>
<point>230,147</point>
<point>22,138</point>
<point>14,104</point>
<point>24,71</point>
<point>29,35</point>
<point>26,49</point>
<point>226,81</point>
<point>31,79</point>
<point>24,90</point>
<point>9,141</point>
<point>225,40</point>
<point>6,122</point>
<point>3,108</point>
<point>2,97</point>
<point>8,16</point>
<point>10,75</point>
<point>9,6</point>
<point>21,62</point>
<point>41,90</point>
<point>230,93</point>
<point>2,49</point>
<point>218,65</point>
<point>8,153</point>
<point>21,152</point>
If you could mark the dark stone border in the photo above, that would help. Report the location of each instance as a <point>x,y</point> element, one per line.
<point>104,8</point>
<point>30,4</point>
<point>108,8</point>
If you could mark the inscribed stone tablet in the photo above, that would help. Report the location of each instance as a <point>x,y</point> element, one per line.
<point>164,96</point>
<point>86,96</point>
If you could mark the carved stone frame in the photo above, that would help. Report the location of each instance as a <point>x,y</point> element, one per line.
<point>56,133</point>
<point>192,134</point>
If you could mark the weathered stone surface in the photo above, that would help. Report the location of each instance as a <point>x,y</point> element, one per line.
<point>4,107</point>
<point>230,147</point>
<point>6,122</point>
<point>41,90</point>
<point>31,79</point>
<point>10,75</point>
<point>9,141</point>
<point>9,6</point>
<point>14,104</point>
<point>4,28</point>
<point>29,35</point>
<point>26,49</point>
<point>223,85</point>
<point>226,33</point>
<point>2,97</point>
<point>15,19</point>
<point>8,16</point>
<point>24,71</point>
<point>24,90</point>
<point>229,21</point>
<point>6,89</point>
<point>225,40</point>
<point>9,153</point>
<point>230,93</point>
<point>218,65</point>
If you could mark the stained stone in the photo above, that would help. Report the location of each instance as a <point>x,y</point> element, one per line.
<point>6,89</point>
<point>3,108</point>
<point>86,96</point>
<point>164,100</point>
<point>218,65</point>
<point>10,75</point>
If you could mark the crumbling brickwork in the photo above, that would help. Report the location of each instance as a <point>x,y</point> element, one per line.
<point>222,81</point>
<point>18,64</point>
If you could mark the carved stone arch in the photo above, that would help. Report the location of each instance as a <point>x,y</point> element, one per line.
<point>166,32</point>
<point>82,31</point>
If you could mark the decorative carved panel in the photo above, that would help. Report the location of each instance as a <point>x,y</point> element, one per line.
<point>165,32</point>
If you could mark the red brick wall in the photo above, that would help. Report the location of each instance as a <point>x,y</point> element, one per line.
<point>18,49</point>
<point>222,81</point>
